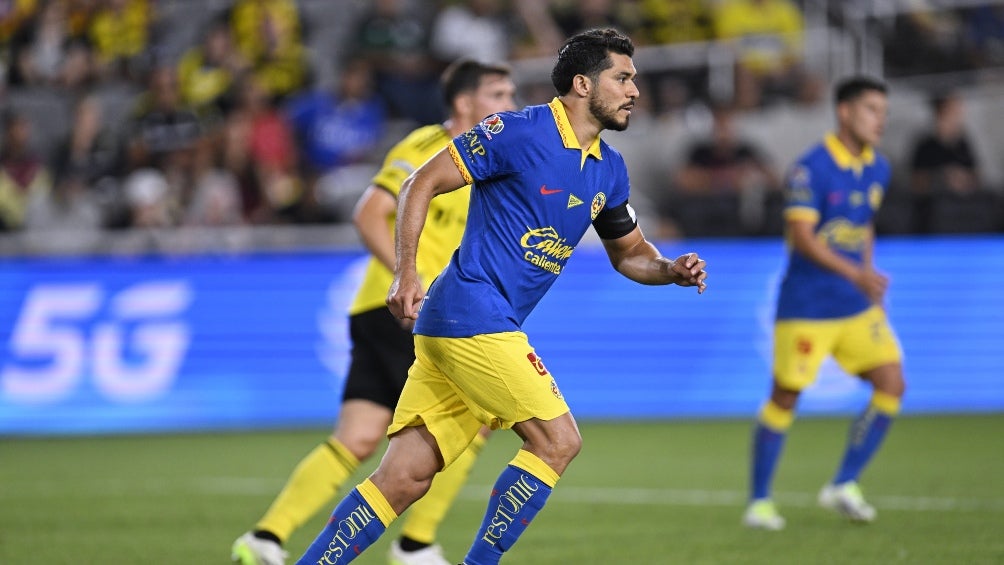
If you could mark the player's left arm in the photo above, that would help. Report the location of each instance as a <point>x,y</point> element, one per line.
<point>637,259</point>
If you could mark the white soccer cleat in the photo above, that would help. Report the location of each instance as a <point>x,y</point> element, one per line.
<point>762,514</point>
<point>846,499</point>
<point>249,550</point>
<point>432,555</point>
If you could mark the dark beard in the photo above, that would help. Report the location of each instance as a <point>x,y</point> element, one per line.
<point>607,118</point>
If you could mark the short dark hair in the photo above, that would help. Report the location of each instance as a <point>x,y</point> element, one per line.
<point>588,53</point>
<point>851,88</point>
<point>464,75</point>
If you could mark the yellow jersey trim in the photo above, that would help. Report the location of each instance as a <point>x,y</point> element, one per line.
<point>843,158</point>
<point>461,166</point>
<point>802,213</point>
<point>568,135</point>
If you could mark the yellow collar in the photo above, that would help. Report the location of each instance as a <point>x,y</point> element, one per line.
<point>843,158</point>
<point>568,136</point>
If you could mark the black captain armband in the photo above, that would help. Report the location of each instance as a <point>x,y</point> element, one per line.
<point>612,223</point>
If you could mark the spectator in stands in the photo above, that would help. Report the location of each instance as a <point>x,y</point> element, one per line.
<point>458,22</point>
<point>268,36</point>
<point>216,199</point>
<point>230,150</point>
<point>339,129</point>
<point>161,125</point>
<point>14,14</point>
<point>121,32</point>
<point>90,153</point>
<point>270,151</point>
<point>943,159</point>
<point>925,39</point>
<point>767,37</point>
<point>682,21</point>
<point>149,199</point>
<point>575,16</point>
<point>723,184</point>
<point>394,38</point>
<point>23,176</point>
<point>984,35</point>
<point>207,71</point>
<point>944,173</point>
<point>78,16</point>
<point>45,53</point>
<point>537,35</point>
<point>69,216</point>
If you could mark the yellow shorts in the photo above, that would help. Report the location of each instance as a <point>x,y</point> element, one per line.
<point>858,343</point>
<point>458,384</point>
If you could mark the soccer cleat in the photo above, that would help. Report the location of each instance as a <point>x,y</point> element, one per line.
<point>762,514</point>
<point>432,555</point>
<point>249,550</point>
<point>846,498</point>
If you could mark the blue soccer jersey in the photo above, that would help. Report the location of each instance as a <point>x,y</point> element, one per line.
<point>534,194</point>
<point>840,193</point>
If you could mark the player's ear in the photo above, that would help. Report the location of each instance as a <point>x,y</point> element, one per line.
<point>582,85</point>
<point>463,104</point>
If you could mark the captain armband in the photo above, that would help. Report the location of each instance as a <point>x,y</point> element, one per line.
<point>616,222</point>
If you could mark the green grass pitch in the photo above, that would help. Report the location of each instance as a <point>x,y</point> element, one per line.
<point>654,493</point>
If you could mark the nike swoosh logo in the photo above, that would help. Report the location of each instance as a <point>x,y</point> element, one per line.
<point>545,190</point>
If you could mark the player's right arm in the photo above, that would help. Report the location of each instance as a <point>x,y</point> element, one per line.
<point>370,217</point>
<point>804,241</point>
<point>438,175</point>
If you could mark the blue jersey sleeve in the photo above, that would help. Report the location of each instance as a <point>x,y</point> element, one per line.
<point>485,148</point>
<point>803,194</point>
<point>621,189</point>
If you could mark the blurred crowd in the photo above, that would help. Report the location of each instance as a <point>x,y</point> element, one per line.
<point>155,114</point>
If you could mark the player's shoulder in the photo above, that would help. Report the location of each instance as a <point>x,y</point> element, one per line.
<point>882,162</point>
<point>423,138</point>
<point>509,124</point>
<point>610,152</point>
<point>814,156</point>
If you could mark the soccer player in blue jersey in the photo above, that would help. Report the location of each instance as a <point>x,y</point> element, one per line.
<point>539,178</point>
<point>831,301</point>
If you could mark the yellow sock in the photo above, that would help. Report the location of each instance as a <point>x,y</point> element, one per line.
<point>775,417</point>
<point>425,515</point>
<point>314,482</point>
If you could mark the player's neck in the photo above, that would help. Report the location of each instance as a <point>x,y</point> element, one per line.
<point>585,127</point>
<point>853,145</point>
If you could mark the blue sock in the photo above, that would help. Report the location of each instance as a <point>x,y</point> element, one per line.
<point>867,433</point>
<point>767,446</point>
<point>352,528</point>
<point>516,498</point>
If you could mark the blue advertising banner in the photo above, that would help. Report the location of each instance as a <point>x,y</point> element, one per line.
<point>183,343</point>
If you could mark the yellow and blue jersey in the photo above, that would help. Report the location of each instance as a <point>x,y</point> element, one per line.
<point>840,193</point>
<point>534,193</point>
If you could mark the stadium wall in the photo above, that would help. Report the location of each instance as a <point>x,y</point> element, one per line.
<point>212,342</point>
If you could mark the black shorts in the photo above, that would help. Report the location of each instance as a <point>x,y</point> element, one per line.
<point>382,353</point>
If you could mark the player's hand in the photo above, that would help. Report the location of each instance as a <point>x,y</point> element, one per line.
<point>689,271</point>
<point>873,283</point>
<point>405,296</point>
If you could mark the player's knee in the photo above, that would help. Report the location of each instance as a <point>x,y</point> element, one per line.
<point>562,447</point>
<point>361,445</point>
